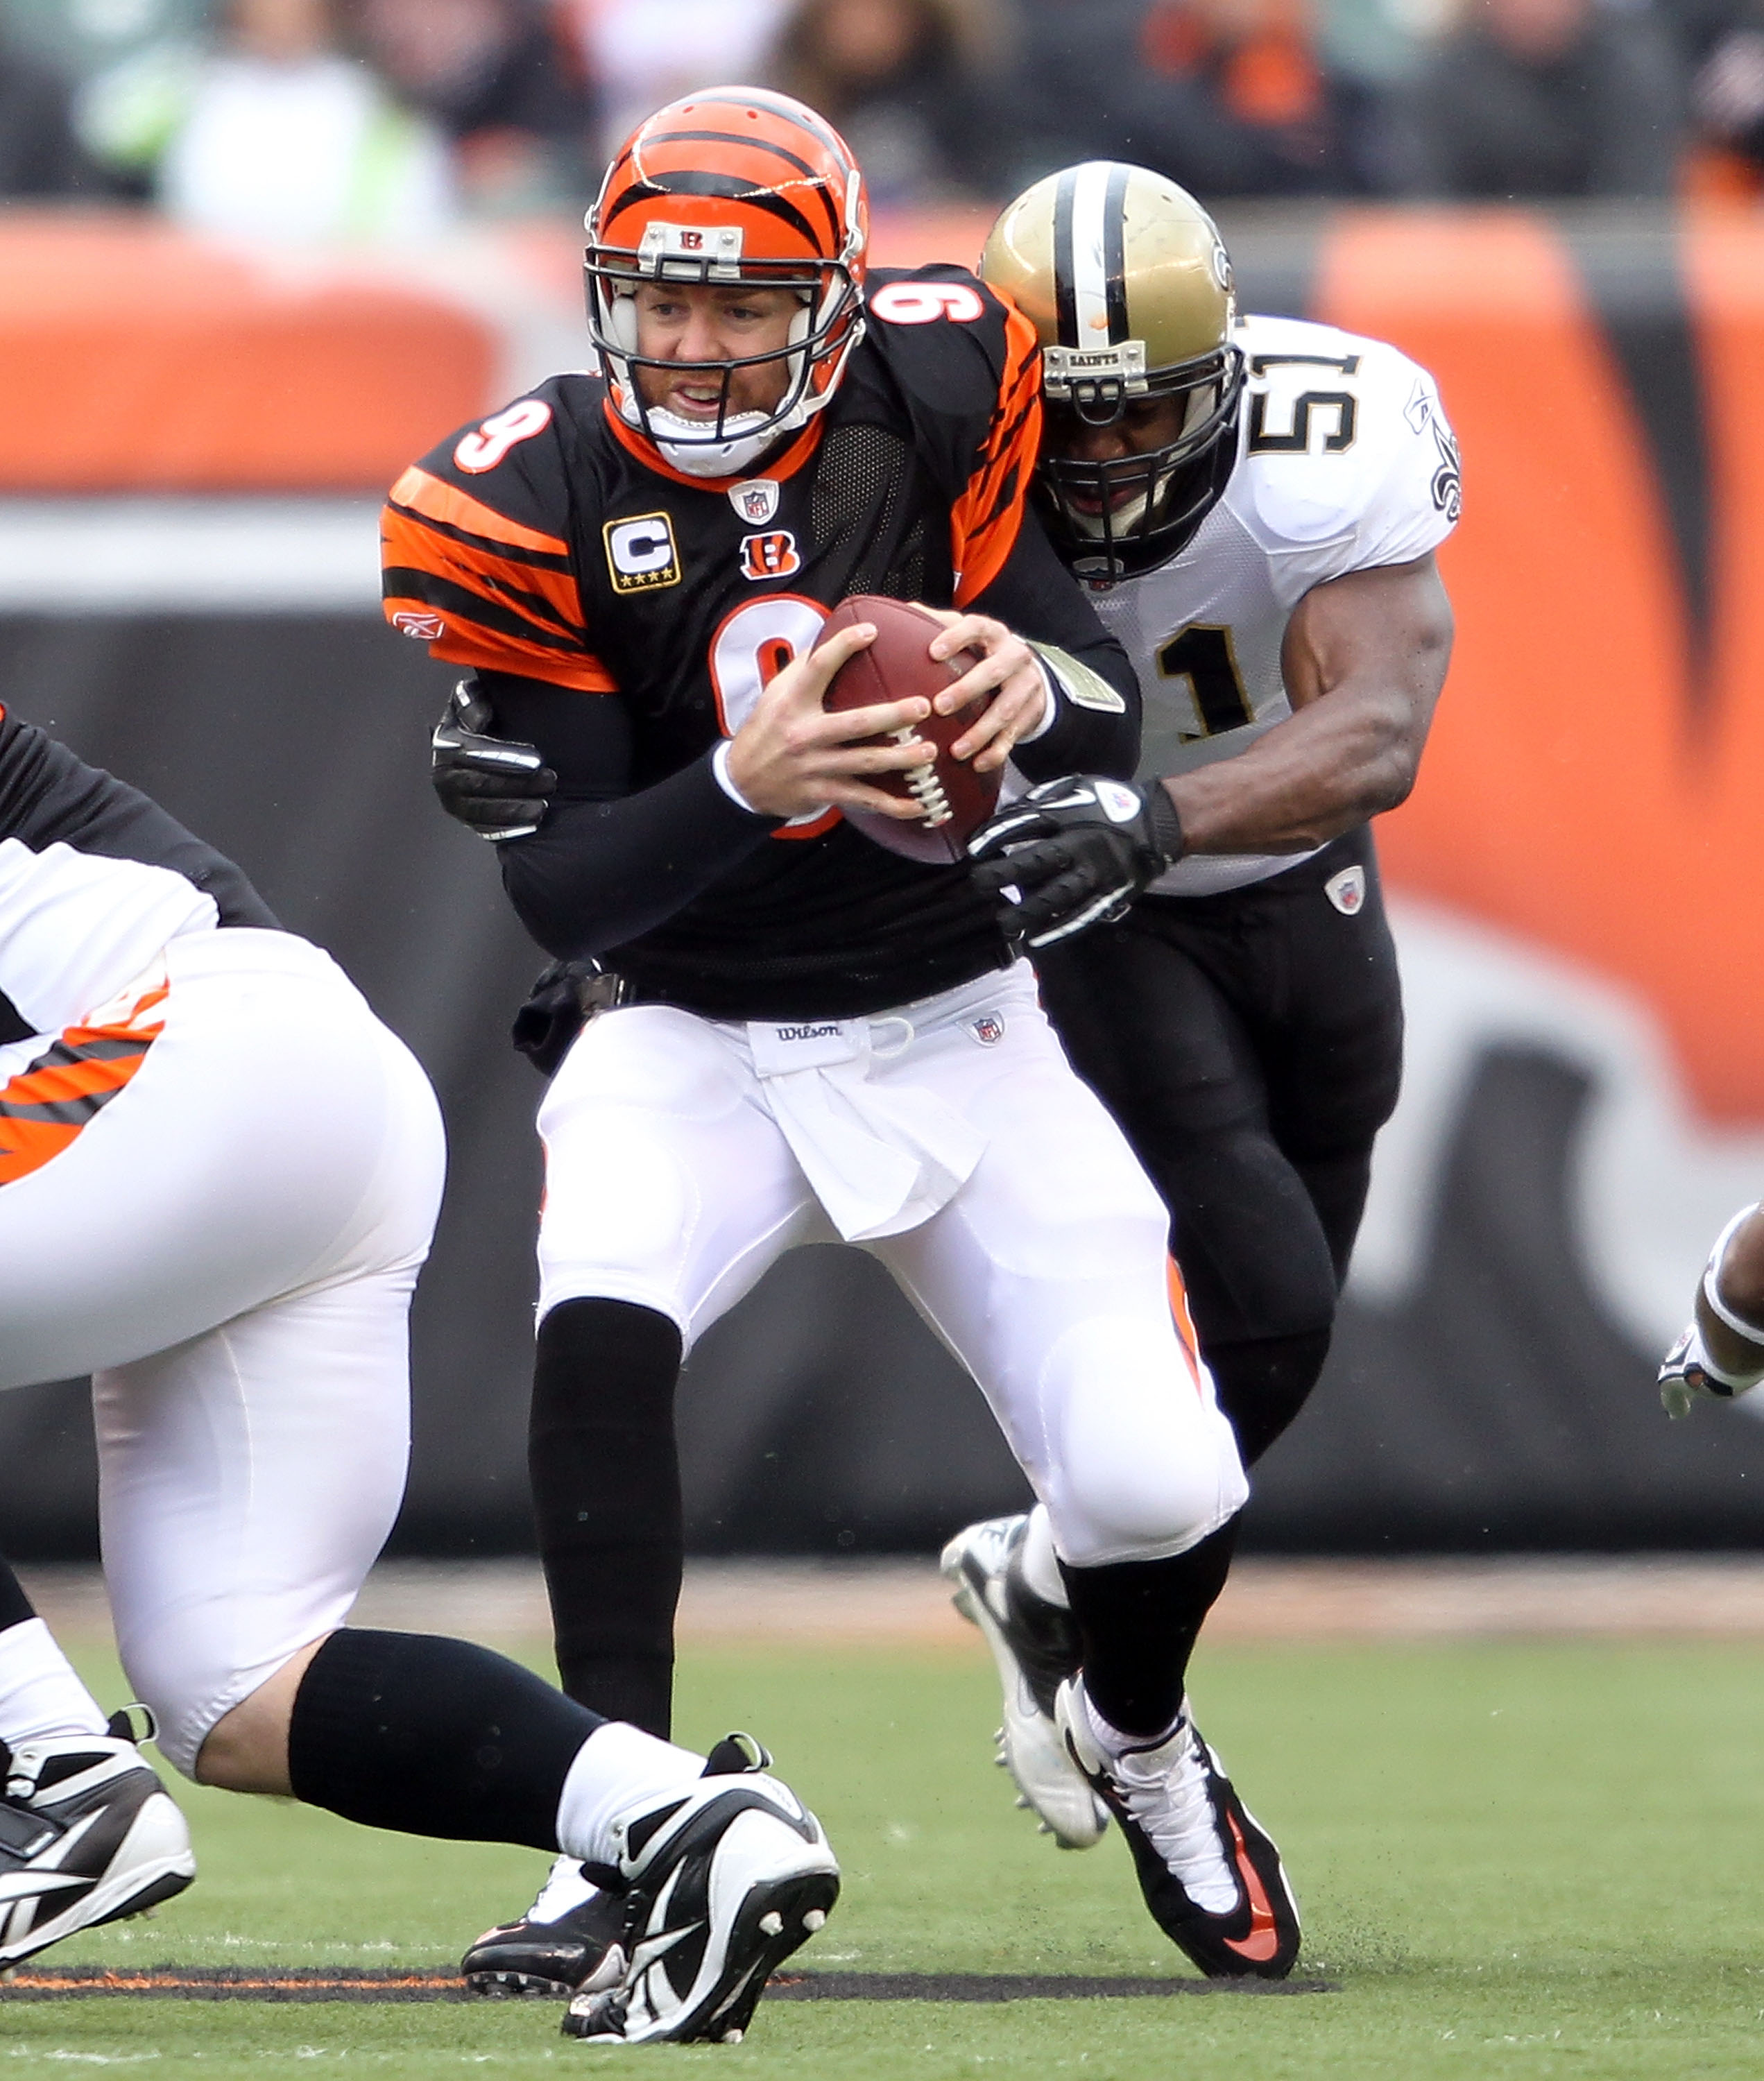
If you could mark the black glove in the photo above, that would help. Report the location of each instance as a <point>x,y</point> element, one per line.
<point>566,996</point>
<point>1077,851</point>
<point>499,789</point>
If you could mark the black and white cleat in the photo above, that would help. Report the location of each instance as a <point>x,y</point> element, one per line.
<point>725,1881</point>
<point>87,1835</point>
<point>570,1941</point>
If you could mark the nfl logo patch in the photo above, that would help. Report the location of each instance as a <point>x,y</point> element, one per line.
<point>1346,890</point>
<point>755,501</point>
<point>988,1029</point>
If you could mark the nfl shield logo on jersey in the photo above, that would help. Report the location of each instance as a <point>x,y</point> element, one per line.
<point>1346,890</point>
<point>989,1029</point>
<point>755,501</point>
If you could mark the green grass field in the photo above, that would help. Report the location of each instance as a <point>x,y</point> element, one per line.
<point>1526,1860</point>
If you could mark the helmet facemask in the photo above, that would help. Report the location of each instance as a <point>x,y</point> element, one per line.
<point>1126,512</point>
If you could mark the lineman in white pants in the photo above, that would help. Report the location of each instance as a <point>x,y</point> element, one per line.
<point>218,1175</point>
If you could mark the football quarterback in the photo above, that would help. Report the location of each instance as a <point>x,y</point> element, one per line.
<point>801,1035</point>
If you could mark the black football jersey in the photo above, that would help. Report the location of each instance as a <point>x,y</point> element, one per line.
<point>551,543</point>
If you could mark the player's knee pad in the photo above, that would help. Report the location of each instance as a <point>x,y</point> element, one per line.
<point>1141,1462</point>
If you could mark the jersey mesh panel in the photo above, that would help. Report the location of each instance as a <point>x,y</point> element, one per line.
<point>862,479</point>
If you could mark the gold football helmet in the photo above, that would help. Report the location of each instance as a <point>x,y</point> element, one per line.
<point>1126,279</point>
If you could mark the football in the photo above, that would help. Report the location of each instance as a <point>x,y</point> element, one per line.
<point>955,801</point>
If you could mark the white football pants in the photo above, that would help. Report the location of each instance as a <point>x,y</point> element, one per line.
<point>229,1247</point>
<point>684,1156</point>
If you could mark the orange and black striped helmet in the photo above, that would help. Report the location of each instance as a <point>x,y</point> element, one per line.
<point>735,186</point>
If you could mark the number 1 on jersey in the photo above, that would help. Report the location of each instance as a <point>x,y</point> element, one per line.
<point>1202,655</point>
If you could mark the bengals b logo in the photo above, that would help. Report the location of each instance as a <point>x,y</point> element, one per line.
<point>772,556</point>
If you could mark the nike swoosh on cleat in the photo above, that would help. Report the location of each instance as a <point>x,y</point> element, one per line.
<point>1264,1938</point>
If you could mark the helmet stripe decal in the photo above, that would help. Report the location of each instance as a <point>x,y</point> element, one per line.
<point>722,185</point>
<point>741,103</point>
<point>1115,253</point>
<point>1090,196</point>
<point>1064,291</point>
<point>727,137</point>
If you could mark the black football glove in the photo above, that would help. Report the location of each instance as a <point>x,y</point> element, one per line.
<point>499,789</point>
<point>1077,850</point>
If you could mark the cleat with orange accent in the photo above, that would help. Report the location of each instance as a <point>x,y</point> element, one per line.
<point>1210,1874</point>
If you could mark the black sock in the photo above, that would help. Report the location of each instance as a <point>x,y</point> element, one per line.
<point>1138,1620</point>
<point>434,1737</point>
<point>16,1607</point>
<point>1262,1383</point>
<point>606,1477</point>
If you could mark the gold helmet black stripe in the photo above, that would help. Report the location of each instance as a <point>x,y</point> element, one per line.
<point>1115,253</point>
<point>1089,255</point>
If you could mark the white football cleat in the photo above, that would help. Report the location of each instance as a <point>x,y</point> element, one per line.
<point>87,1835</point>
<point>725,1881</point>
<point>1035,1646</point>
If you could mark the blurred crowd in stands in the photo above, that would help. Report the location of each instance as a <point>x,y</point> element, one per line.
<point>377,119</point>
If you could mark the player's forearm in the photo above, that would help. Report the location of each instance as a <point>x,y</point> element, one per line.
<point>1095,727</point>
<point>1084,739</point>
<point>597,874</point>
<point>1736,1279</point>
<point>1320,773</point>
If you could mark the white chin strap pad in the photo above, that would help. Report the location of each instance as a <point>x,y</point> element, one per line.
<point>621,313</point>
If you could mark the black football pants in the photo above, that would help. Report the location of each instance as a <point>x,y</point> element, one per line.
<point>1250,1045</point>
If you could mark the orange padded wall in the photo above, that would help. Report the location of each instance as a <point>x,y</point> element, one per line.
<point>1571,794</point>
<point>134,358</point>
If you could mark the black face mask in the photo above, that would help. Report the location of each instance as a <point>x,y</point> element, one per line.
<point>1169,490</point>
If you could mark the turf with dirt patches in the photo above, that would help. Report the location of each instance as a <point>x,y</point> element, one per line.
<point>1515,1861</point>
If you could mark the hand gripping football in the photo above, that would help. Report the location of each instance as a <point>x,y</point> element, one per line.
<point>954,800</point>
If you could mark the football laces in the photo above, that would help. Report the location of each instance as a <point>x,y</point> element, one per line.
<point>925,787</point>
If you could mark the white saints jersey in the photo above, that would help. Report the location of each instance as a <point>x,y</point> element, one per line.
<point>1344,462</point>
